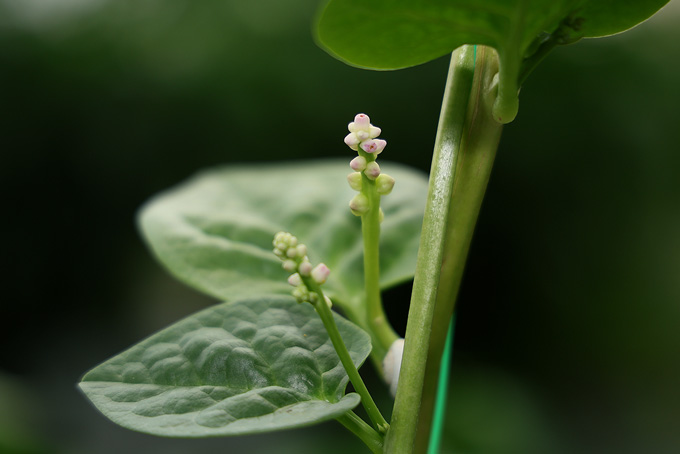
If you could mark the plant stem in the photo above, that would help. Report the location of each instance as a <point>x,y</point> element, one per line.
<point>326,315</point>
<point>473,169</point>
<point>381,331</point>
<point>401,437</point>
<point>432,305</point>
<point>358,427</point>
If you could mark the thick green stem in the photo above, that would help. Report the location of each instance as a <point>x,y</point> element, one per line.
<point>326,315</point>
<point>473,169</point>
<point>381,331</point>
<point>358,427</point>
<point>401,437</point>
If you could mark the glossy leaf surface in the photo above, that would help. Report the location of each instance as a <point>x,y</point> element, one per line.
<point>215,231</point>
<point>394,34</point>
<point>249,366</point>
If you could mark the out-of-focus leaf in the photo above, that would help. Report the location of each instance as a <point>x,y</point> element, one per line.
<point>215,231</point>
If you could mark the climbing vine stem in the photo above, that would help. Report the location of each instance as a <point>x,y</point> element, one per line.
<point>465,146</point>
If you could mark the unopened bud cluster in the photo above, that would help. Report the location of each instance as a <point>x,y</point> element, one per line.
<point>363,136</point>
<point>293,254</point>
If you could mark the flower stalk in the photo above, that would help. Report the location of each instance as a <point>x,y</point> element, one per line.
<point>371,183</point>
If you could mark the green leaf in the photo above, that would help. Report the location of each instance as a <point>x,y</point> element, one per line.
<point>394,34</point>
<point>608,17</point>
<point>253,365</point>
<point>215,231</point>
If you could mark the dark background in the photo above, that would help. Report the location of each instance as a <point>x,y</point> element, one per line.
<point>568,336</point>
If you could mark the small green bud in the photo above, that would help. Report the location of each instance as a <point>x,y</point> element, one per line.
<point>354,180</point>
<point>301,294</point>
<point>289,265</point>
<point>384,184</point>
<point>295,280</point>
<point>381,215</point>
<point>282,242</point>
<point>359,205</point>
<point>329,303</point>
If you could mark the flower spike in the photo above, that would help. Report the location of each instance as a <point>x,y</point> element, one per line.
<point>305,278</point>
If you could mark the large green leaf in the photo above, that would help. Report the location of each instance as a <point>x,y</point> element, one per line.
<point>394,34</point>
<point>215,231</point>
<point>249,366</point>
<point>609,17</point>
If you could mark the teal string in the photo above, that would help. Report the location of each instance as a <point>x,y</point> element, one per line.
<point>442,392</point>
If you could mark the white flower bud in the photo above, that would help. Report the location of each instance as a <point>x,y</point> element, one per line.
<point>354,180</point>
<point>291,252</point>
<point>374,132</point>
<point>352,141</point>
<point>305,268</point>
<point>320,273</point>
<point>384,184</point>
<point>358,163</point>
<point>301,250</point>
<point>372,170</point>
<point>362,135</point>
<point>359,205</point>
<point>329,303</point>
<point>295,280</point>
<point>392,364</point>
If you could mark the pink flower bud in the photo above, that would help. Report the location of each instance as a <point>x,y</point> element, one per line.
<point>372,170</point>
<point>381,144</point>
<point>369,146</point>
<point>320,273</point>
<point>352,141</point>
<point>362,120</point>
<point>358,163</point>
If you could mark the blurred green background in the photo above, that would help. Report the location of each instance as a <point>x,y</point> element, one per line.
<point>568,336</point>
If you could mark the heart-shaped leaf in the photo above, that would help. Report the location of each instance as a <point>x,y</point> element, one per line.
<point>249,366</point>
<point>215,231</point>
<point>394,34</point>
